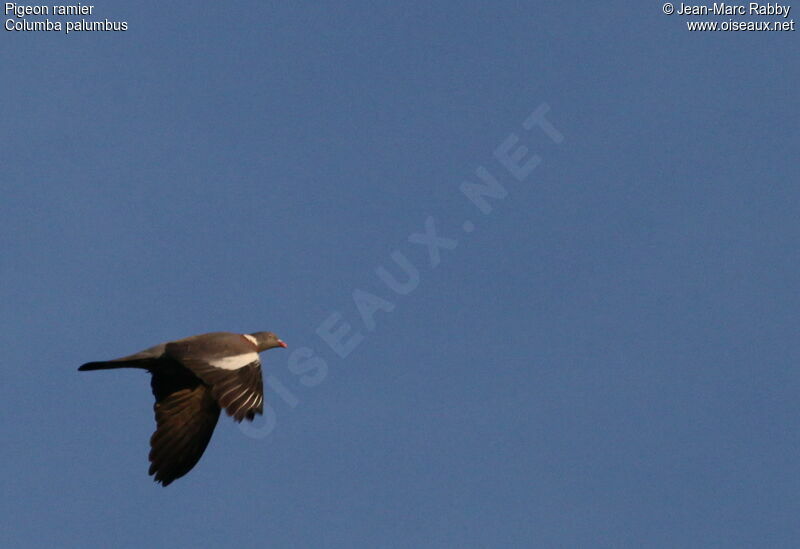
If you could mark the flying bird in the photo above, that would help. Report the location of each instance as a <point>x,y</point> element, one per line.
<point>192,379</point>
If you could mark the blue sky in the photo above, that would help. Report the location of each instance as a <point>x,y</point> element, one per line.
<point>609,358</point>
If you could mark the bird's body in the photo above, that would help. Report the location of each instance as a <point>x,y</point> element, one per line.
<point>192,380</point>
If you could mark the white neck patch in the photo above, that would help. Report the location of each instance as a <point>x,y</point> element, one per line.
<point>234,362</point>
<point>251,339</point>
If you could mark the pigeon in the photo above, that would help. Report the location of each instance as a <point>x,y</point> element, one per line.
<point>192,379</point>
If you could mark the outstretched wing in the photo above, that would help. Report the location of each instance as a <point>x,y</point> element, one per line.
<point>240,392</point>
<point>231,370</point>
<point>186,414</point>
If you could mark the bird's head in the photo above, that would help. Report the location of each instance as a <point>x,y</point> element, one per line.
<point>267,340</point>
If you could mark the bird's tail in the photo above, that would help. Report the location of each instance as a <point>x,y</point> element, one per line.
<point>112,364</point>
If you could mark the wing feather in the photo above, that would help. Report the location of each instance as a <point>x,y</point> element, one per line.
<point>186,414</point>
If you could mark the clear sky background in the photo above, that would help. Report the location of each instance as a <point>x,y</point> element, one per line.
<point>610,358</point>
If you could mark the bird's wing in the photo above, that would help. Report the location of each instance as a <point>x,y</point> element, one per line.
<point>186,414</point>
<point>240,391</point>
<point>234,379</point>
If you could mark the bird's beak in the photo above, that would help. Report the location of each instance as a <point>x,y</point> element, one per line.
<point>282,344</point>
